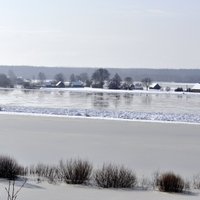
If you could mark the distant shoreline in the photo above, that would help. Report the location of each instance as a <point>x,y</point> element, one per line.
<point>102,90</point>
<point>99,90</point>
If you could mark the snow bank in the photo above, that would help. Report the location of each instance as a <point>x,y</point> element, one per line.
<point>106,114</point>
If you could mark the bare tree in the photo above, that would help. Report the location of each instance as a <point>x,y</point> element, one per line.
<point>12,76</point>
<point>41,76</point>
<point>59,77</point>
<point>99,76</point>
<point>128,80</point>
<point>72,78</point>
<point>84,77</point>
<point>146,82</point>
<point>4,81</point>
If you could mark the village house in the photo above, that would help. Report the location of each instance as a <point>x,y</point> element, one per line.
<point>155,86</point>
<point>196,88</point>
<point>60,84</point>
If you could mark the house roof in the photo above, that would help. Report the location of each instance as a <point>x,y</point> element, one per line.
<point>153,85</point>
<point>196,86</point>
<point>60,82</point>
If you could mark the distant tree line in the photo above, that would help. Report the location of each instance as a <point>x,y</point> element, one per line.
<point>137,74</point>
<point>99,79</point>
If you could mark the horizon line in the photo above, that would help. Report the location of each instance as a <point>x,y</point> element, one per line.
<point>97,67</point>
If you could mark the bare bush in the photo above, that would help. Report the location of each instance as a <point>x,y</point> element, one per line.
<point>45,171</point>
<point>187,185</point>
<point>9,168</point>
<point>155,179</point>
<point>196,181</point>
<point>169,182</point>
<point>75,171</point>
<point>111,176</point>
<point>144,183</point>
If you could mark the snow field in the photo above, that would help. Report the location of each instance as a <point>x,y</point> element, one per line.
<point>141,146</point>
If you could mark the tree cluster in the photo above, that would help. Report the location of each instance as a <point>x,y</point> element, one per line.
<point>5,81</point>
<point>101,78</point>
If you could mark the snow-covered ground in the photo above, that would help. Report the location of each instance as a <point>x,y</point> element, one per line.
<point>41,191</point>
<point>141,146</point>
<point>30,135</point>
<point>106,114</point>
<point>145,147</point>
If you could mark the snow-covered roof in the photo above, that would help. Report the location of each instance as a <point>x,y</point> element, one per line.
<point>60,82</point>
<point>153,85</point>
<point>196,86</point>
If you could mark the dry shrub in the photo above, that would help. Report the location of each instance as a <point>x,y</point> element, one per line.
<point>144,183</point>
<point>45,171</point>
<point>196,181</point>
<point>9,168</point>
<point>169,182</point>
<point>75,171</point>
<point>155,179</point>
<point>111,176</point>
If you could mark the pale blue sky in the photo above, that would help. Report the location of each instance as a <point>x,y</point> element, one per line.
<point>100,33</point>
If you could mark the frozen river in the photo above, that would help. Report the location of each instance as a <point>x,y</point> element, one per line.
<point>85,99</point>
<point>139,105</point>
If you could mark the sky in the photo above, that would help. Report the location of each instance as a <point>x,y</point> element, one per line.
<point>100,33</point>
